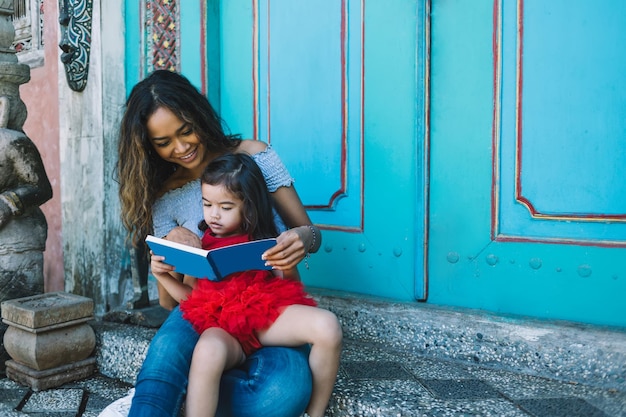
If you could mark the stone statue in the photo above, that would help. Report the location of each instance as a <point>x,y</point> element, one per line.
<point>24,185</point>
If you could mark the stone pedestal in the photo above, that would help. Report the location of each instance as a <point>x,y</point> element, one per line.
<point>49,339</point>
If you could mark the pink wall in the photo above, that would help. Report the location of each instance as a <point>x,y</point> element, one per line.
<point>42,126</point>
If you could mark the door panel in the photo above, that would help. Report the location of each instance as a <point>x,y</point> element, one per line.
<point>310,102</point>
<point>562,123</point>
<point>527,140</point>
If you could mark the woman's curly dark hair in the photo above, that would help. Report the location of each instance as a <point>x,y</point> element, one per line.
<point>140,171</point>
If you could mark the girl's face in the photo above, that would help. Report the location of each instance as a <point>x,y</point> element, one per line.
<point>174,140</point>
<point>222,210</point>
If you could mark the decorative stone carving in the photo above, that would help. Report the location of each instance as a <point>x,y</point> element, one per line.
<point>24,185</point>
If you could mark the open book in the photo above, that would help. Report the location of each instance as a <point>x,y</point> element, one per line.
<point>212,264</point>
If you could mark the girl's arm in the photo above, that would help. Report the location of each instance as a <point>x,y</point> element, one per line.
<point>169,282</point>
<point>180,235</point>
<point>287,274</point>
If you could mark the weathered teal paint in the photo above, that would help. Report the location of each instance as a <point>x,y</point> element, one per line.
<point>311,64</point>
<point>132,39</point>
<point>193,46</point>
<point>237,86</point>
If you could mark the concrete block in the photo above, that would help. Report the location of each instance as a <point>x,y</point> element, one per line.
<point>44,311</point>
<point>45,350</point>
<point>50,378</point>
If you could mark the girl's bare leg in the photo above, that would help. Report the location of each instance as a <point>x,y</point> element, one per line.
<point>215,352</point>
<point>298,325</point>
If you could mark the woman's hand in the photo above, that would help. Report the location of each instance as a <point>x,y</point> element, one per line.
<point>291,247</point>
<point>185,236</point>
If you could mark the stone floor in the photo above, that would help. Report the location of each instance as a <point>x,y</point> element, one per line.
<point>376,381</point>
<point>373,381</point>
<point>399,360</point>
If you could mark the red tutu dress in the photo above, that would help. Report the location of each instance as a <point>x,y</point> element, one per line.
<point>243,302</point>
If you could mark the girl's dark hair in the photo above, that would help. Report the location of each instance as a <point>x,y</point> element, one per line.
<point>140,171</point>
<point>241,176</point>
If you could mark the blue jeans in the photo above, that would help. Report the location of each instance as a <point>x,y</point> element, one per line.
<point>274,381</point>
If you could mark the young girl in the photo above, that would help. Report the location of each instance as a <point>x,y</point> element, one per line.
<point>250,309</point>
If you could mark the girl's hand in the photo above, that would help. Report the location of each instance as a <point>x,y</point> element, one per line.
<point>179,234</point>
<point>174,285</point>
<point>170,284</point>
<point>159,267</point>
<point>291,247</point>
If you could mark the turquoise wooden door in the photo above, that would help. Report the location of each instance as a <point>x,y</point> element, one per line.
<point>528,143</point>
<point>337,87</point>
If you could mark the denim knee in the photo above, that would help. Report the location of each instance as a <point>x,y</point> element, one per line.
<point>162,380</point>
<point>273,381</point>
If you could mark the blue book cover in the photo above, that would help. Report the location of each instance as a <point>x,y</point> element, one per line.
<point>212,264</point>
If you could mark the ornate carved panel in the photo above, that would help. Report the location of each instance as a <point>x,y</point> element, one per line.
<point>162,35</point>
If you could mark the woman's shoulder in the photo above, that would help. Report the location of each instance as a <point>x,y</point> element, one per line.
<point>252,146</point>
<point>273,169</point>
<point>263,154</point>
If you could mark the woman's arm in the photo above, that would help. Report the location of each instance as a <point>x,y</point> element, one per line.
<point>301,239</point>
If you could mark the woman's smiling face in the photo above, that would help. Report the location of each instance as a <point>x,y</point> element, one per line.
<point>174,139</point>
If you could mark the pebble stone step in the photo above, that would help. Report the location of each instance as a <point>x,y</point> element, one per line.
<point>399,359</point>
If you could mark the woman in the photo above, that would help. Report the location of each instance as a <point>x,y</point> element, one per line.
<point>169,134</point>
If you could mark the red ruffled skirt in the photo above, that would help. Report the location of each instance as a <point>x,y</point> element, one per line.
<point>242,304</point>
